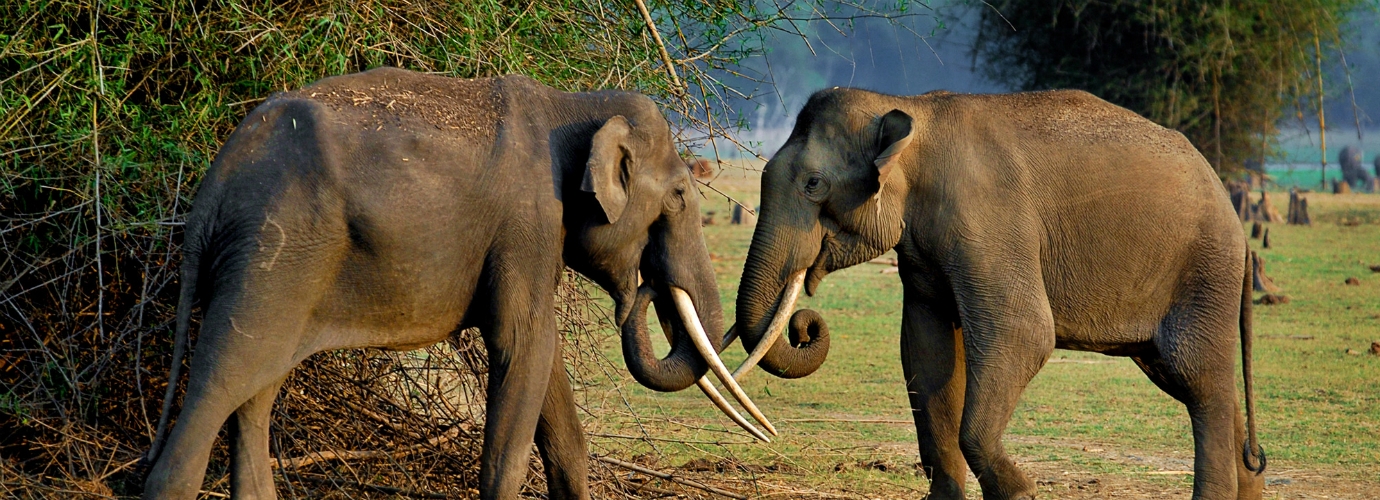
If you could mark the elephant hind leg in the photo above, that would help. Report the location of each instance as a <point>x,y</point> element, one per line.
<point>237,365</point>
<point>1208,390</point>
<point>251,476</point>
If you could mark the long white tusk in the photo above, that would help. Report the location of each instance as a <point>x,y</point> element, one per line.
<point>717,398</point>
<point>686,308</point>
<point>722,403</point>
<point>777,325</point>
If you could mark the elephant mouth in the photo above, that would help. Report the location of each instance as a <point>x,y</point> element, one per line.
<point>691,331</point>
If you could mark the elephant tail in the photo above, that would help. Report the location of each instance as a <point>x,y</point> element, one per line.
<point>1251,451</point>
<point>191,265</point>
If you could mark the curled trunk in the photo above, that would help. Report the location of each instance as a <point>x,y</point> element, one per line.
<point>806,345</point>
<point>680,368</point>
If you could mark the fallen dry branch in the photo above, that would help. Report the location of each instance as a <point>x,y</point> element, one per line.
<point>849,420</point>
<point>326,456</point>
<point>402,492</point>
<point>670,477</point>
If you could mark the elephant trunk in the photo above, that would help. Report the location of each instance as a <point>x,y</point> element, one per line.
<point>766,295</point>
<point>679,369</point>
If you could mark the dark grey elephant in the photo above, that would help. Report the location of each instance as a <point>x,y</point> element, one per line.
<point>1352,171</point>
<point>390,209</point>
<point>1023,223</point>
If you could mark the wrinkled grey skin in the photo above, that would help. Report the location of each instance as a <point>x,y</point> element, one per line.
<point>1023,222</point>
<point>1352,171</point>
<point>325,226</point>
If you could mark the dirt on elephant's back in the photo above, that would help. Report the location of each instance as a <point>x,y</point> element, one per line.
<point>471,107</point>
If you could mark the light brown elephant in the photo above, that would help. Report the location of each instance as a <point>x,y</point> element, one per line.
<point>1023,222</point>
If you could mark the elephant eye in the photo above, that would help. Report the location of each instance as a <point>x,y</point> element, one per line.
<point>675,202</point>
<point>814,184</point>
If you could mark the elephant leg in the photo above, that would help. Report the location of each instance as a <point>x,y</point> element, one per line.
<point>521,341</point>
<point>180,468</point>
<point>251,476</point>
<point>932,359</point>
<point>1208,390</point>
<point>561,440</point>
<point>238,358</point>
<point>1008,334</point>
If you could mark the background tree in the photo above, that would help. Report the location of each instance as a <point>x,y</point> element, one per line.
<point>1222,73</point>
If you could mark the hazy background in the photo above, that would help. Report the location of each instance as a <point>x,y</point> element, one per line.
<point>933,50</point>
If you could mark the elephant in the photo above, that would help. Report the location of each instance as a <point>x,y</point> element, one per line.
<point>391,209</point>
<point>1022,223</point>
<point>1352,171</point>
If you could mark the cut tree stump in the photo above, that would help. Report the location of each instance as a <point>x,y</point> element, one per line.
<point>1265,239</point>
<point>1240,199</point>
<point>1259,280</point>
<point>1265,211</point>
<point>1298,209</point>
<point>702,169</point>
<point>1256,229</point>
<point>741,216</point>
<point>1339,187</point>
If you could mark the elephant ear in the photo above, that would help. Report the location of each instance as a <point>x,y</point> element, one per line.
<point>894,133</point>
<point>606,173</point>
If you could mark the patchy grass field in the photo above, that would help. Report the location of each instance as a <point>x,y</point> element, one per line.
<point>1089,426</point>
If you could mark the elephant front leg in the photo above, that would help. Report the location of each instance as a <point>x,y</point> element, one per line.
<point>932,359</point>
<point>1008,334</point>
<point>561,440</point>
<point>521,342</point>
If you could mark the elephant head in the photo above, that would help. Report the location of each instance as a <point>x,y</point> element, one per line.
<point>633,226</point>
<point>830,199</point>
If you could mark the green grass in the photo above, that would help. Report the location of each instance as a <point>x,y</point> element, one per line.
<point>1319,407</point>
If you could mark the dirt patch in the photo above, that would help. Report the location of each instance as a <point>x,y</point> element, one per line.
<point>1157,475</point>
<point>1062,469</point>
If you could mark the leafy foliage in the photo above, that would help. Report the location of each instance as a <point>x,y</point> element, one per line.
<point>1222,73</point>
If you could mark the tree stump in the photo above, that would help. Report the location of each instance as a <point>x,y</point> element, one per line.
<point>1341,187</point>
<point>701,169</point>
<point>1240,199</point>
<point>1298,209</point>
<point>1265,239</point>
<point>1259,281</point>
<point>741,216</point>
<point>1256,229</point>
<point>1266,211</point>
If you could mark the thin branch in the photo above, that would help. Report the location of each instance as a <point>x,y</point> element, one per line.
<point>672,478</point>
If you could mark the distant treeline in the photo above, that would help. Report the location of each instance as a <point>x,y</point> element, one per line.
<point>1222,73</point>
